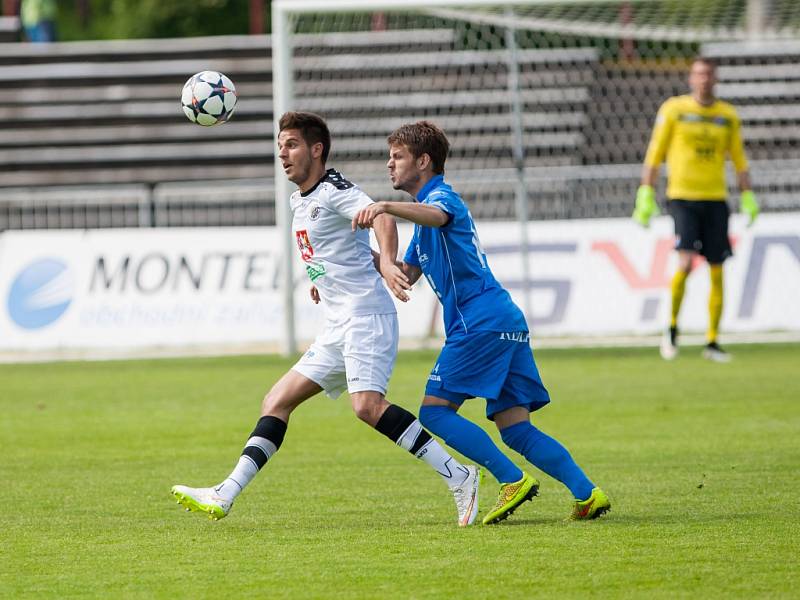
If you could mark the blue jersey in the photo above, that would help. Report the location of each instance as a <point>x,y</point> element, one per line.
<point>453,262</point>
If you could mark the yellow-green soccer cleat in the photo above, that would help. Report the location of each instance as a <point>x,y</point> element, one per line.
<point>204,500</point>
<point>511,496</point>
<point>595,505</point>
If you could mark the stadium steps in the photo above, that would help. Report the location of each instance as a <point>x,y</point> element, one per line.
<point>232,46</point>
<point>766,95</point>
<point>625,99</point>
<point>79,114</point>
<point>9,29</point>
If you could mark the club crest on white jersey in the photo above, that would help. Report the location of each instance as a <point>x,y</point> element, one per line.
<point>338,260</point>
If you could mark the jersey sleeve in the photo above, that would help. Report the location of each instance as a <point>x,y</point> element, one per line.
<point>737,146</point>
<point>411,257</point>
<point>447,204</point>
<point>348,202</point>
<point>662,132</point>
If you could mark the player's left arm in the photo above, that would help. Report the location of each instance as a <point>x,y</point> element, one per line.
<point>412,272</point>
<point>747,199</point>
<point>350,203</point>
<point>422,214</point>
<point>386,233</point>
<point>743,181</point>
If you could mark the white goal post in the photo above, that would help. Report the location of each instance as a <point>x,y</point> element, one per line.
<point>283,12</point>
<point>548,104</point>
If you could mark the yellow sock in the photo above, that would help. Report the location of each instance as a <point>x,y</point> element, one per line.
<point>678,287</point>
<point>714,303</point>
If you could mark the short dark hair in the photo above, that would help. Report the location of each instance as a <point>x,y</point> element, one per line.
<point>423,137</point>
<point>705,60</point>
<point>312,127</point>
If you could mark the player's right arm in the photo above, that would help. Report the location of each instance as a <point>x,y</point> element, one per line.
<point>646,206</point>
<point>426,215</point>
<point>421,214</point>
<point>650,175</point>
<point>662,135</point>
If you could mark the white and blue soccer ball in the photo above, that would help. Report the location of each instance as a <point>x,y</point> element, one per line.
<point>208,98</point>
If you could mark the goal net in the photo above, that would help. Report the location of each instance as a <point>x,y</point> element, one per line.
<point>565,90</point>
<point>548,105</point>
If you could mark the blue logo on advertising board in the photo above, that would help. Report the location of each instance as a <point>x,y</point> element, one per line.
<point>40,294</point>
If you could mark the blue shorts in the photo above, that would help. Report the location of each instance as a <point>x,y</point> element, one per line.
<point>492,365</point>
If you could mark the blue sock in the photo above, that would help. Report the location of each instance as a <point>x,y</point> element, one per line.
<point>470,440</point>
<point>547,455</point>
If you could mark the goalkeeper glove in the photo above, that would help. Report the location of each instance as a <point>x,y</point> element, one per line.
<point>749,206</point>
<point>646,206</point>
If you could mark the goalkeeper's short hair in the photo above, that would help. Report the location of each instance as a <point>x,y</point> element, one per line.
<point>706,61</point>
<point>423,137</point>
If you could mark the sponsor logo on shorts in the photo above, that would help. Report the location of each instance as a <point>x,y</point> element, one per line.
<point>433,377</point>
<point>353,379</point>
<point>523,337</point>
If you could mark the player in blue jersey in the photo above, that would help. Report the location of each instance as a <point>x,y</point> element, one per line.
<point>487,351</point>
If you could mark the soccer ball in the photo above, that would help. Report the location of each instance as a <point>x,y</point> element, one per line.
<point>208,98</point>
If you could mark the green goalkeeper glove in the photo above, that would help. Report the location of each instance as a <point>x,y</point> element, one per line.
<point>646,206</point>
<point>749,206</point>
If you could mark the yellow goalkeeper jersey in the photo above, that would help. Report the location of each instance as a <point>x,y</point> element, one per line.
<point>695,140</point>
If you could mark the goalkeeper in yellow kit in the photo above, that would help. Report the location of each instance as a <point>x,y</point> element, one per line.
<point>695,133</point>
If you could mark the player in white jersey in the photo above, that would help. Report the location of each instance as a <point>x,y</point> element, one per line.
<point>357,348</point>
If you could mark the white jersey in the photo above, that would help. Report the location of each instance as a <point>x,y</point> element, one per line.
<point>337,259</point>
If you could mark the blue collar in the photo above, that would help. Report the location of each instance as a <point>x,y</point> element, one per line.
<point>428,187</point>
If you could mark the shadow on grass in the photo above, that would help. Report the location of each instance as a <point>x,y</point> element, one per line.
<point>620,520</point>
<point>683,519</point>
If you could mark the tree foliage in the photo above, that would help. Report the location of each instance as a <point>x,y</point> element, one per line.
<point>125,19</point>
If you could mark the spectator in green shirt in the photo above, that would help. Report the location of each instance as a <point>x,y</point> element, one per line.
<point>39,20</point>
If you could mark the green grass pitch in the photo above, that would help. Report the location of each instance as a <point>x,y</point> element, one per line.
<point>701,462</point>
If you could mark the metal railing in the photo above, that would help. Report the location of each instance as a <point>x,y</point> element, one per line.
<point>568,192</point>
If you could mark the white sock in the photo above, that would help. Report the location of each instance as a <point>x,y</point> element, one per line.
<point>453,472</point>
<point>245,469</point>
<point>432,452</point>
<point>241,475</point>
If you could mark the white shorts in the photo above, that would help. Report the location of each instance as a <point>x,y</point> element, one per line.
<point>356,355</point>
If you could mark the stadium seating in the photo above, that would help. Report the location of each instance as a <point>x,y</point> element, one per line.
<point>9,29</point>
<point>95,113</point>
<point>762,78</point>
<point>118,119</point>
<point>104,116</point>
